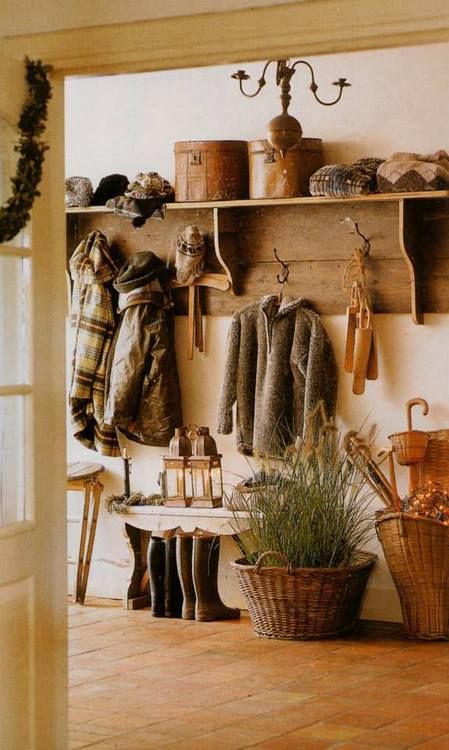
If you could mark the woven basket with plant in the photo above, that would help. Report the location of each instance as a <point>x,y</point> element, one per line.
<point>303,573</point>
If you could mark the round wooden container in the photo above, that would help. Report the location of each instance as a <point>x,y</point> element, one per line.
<point>211,170</point>
<point>272,176</point>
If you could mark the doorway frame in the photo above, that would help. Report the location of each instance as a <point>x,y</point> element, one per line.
<point>306,27</point>
<point>310,27</point>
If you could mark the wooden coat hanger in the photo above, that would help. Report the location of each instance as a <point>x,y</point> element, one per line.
<point>195,319</point>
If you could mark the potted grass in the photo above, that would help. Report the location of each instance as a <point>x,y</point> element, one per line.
<point>303,571</point>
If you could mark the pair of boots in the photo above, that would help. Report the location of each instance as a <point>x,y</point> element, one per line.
<point>165,589</point>
<point>183,574</point>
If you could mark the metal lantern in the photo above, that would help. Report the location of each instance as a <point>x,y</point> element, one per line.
<point>177,482</point>
<point>206,473</point>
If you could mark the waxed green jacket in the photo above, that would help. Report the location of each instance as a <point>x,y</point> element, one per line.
<point>143,398</point>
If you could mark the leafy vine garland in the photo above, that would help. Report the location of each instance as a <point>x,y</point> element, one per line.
<point>31,149</point>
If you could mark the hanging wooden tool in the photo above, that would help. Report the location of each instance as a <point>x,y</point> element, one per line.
<point>360,345</point>
<point>189,264</point>
<point>351,323</point>
<point>363,339</point>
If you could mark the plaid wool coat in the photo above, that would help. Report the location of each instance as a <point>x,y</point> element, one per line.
<point>92,269</point>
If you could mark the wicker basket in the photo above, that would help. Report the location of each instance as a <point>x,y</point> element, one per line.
<point>435,466</point>
<point>303,603</point>
<point>410,447</point>
<point>417,553</point>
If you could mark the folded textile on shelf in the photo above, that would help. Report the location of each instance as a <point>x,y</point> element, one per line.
<point>344,181</point>
<point>410,172</point>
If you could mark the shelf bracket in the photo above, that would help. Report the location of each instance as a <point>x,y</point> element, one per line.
<point>225,245</point>
<point>410,250</point>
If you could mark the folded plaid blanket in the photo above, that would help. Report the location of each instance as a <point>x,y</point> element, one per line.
<point>344,181</point>
<point>409,172</point>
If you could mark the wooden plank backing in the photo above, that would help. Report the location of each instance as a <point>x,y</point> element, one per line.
<point>312,239</point>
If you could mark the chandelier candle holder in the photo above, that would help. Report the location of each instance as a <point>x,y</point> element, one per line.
<point>284,131</point>
<point>177,472</point>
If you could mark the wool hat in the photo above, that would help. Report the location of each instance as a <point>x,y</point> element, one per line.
<point>137,210</point>
<point>109,187</point>
<point>78,192</point>
<point>138,270</point>
<point>150,185</point>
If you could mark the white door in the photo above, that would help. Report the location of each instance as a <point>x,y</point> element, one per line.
<point>32,448</point>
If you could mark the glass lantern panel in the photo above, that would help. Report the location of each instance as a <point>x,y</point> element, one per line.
<point>217,482</point>
<point>175,483</point>
<point>200,480</point>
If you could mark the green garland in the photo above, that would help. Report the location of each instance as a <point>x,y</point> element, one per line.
<point>15,214</point>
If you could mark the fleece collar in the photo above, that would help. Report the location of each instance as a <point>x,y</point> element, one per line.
<point>269,305</point>
<point>273,311</point>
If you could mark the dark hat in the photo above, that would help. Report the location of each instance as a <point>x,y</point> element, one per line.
<point>138,270</point>
<point>109,187</point>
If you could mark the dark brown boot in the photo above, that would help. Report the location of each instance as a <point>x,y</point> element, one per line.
<point>206,551</point>
<point>184,552</point>
<point>173,592</point>
<point>156,574</point>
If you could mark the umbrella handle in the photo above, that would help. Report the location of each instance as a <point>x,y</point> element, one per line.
<point>409,406</point>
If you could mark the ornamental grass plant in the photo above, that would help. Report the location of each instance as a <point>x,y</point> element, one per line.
<point>312,505</point>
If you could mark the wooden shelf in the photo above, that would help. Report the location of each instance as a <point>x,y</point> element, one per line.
<point>304,201</point>
<point>405,229</point>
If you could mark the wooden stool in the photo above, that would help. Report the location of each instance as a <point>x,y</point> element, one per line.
<point>84,476</point>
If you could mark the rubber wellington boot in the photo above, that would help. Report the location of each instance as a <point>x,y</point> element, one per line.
<point>184,552</point>
<point>206,551</point>
<point>156,574</point>
<point>173,592</point>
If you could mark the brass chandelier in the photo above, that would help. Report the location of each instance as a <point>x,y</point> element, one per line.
<point>284,131</point>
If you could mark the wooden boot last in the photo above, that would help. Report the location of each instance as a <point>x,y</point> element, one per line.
<point>184,552</point>
<point>156,574</point>
<point>206,551</point>
<point>173,592</point>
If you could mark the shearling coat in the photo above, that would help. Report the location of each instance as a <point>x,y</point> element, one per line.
<point>92,268</point>
<point>279,364</point>
<point>143,398</point>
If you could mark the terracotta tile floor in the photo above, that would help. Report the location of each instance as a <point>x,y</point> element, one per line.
<point>138,683</point>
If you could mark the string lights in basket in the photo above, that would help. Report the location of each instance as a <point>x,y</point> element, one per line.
<point>430,501</point>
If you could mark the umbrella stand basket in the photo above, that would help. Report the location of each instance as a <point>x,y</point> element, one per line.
<point>417,553</point>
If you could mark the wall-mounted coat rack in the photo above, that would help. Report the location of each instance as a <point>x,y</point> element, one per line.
<point>408,270</point>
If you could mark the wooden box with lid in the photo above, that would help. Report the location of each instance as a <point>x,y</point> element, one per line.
<point>272,176</point>
<point>211,170</point>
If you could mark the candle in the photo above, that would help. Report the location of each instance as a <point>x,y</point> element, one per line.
<point>126,461</point>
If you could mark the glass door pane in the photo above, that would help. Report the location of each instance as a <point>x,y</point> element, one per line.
<point>8,163</point>
<point>12,459</point>
<point>15,293</point>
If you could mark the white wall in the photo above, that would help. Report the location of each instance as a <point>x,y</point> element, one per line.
<point>127,124</point>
